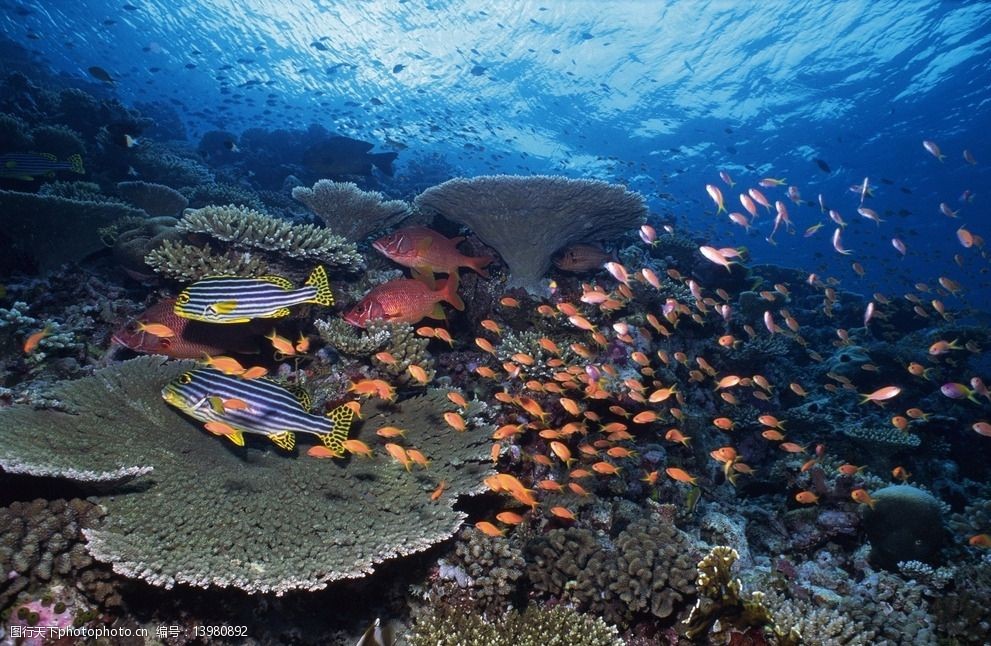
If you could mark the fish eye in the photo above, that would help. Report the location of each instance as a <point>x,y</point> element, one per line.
<point>183,298</point>
<point>185,378</point>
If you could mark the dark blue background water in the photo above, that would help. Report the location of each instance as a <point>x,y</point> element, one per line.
<point>659,96</point>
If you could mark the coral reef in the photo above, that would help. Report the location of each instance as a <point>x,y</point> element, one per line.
<point>349,211</point>
<point>494,568</point>
<point>186,263</point>
<point>292,522</point>
<point>721,600</point>
<point>42,540</point>
<point>647,568</point>
<point>247,229</point>
<point>154,199</point>
<point>221,193</point>
<point>904,524</point>
<point>558,626</point>
<point>527,219</point>
<point>58,230</point>
<point>134,239</point>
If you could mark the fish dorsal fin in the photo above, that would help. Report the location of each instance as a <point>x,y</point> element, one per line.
<point>342,417</point>
<point>284,440</point>
<point>236,437</point>
<point>301,396</point>
<point>425,276</point>
<point>278,281</point>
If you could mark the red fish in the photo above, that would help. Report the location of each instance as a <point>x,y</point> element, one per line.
<point>425,249</point>
<point>405,301</point>
<point>191,339</point>
<point>580,258</point>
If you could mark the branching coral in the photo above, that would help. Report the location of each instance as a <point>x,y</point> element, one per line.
<point>349,211</point>
<point>153,199</point>
<point>559,626</point>
<point>247,229</point>
<point>721,600</point>
<point>186,263</point>
<point>285,522</point>
<point>220,193</point>
<point>527,219</point>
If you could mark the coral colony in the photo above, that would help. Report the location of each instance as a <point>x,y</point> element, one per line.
<point>306,388</point>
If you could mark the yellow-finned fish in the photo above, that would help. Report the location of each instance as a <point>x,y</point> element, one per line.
<point>231,299</point>
<point>263,408</point>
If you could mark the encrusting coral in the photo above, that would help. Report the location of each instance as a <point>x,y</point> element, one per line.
<point>349,211</point>
<point>527,219</point>
<point>244,228</point>
<point>254,518</point>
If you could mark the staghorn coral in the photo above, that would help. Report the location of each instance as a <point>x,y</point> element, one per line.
<point>42,540</point>
<point>349,211</point>
<point>187,263</point>
<point>527,219</point>
<point>49,230</point>
<point>558,626</point>
<point>647,568</point>
<point>247,229</point>
<point>154,199</point>
<point>288,521</point>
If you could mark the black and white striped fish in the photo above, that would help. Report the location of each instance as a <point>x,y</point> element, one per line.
<point>231,406</point>
<point>231,299</point>
<point>27,166</point>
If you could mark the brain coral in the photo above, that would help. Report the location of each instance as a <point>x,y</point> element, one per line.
<point>205,513</point>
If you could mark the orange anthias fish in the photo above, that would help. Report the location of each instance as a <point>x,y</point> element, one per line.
<point>189,340</point>
<point>405,301</point>
<point>424,249</point>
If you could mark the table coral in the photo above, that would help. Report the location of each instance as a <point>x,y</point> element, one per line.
<point>153,199</point>
<point>527,219</point>
<point>210,514</point>
<point>349,211</point>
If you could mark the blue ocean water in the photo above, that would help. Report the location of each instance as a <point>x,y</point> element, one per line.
<point>657,95</point>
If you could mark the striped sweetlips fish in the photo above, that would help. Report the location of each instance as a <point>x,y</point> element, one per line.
<point>231,406</point>
<point>29,166</point>
<point>233,299</point>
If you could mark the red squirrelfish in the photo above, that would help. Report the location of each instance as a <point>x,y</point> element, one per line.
<point>191,339</point>
<point>423,248</point>
<point>405,301</point>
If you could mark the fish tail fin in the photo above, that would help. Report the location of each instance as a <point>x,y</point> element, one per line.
<point>449,292</point>
<point>478,263</point>
<point>383,161</point>
<point>342,417</point>
<point>284,440</point>
<point>77,164</point>
<point>319,280</point>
